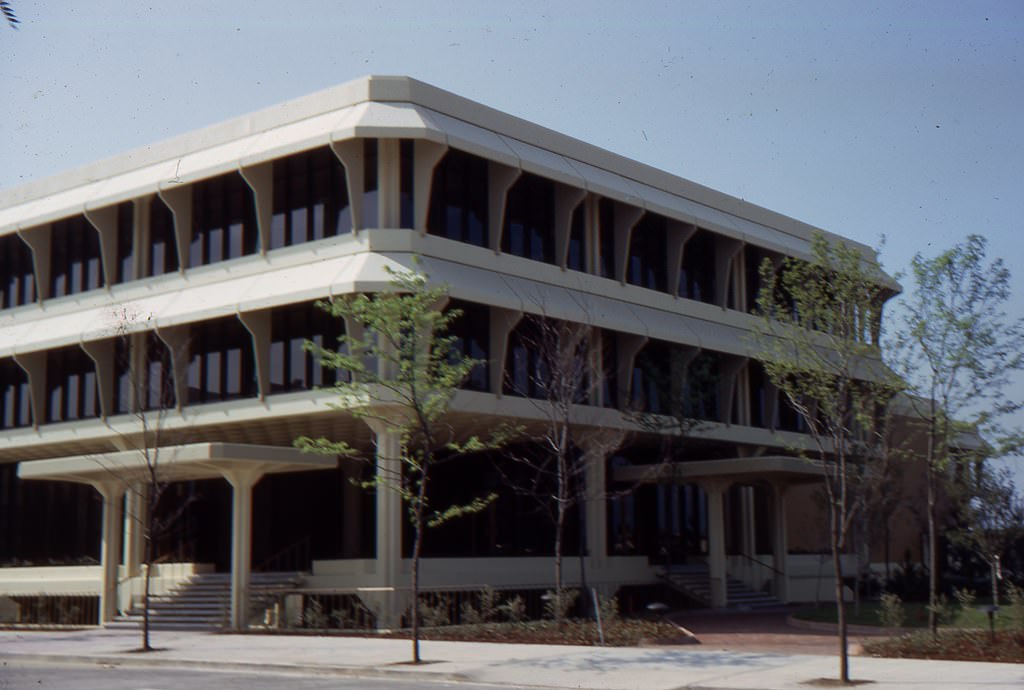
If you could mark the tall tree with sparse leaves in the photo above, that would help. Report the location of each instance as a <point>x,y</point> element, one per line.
<point>959,351</point>
<point>402,369</point>
<point>818,340</point>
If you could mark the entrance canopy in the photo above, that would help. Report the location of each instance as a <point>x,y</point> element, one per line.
<point>764,468</point>
<point>174,463</point>
<point>112,473</point>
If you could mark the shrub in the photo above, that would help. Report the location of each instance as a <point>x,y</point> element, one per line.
<point>314,616</point>
<point>965,600</point>
<point>890,610</point>
<point>608,607</point>
<point>1013,612</point>
<point>514,609</point>
<point>436,614</point>
<point>557,608</point>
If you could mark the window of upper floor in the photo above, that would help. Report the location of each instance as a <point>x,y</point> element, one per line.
<point>72,390</point>
<point>576,260</point>
<point>153,386</point>
<point>697,274</point>
<point>648,246</point>
<point>17,273</point>
<point>223,220</point>
<point>529,219</point>
<point>458,198</point>
<point>292,368</point>
<point>15,396</point>
<point>472,333</point>
<point>162,251</point>
<point>310,199</point>
<point>221,363</point>
<point>75,264</point>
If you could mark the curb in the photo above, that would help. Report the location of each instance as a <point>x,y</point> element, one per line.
<point>284,669</point>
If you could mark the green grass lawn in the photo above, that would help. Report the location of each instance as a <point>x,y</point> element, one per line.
<point>915,615</point>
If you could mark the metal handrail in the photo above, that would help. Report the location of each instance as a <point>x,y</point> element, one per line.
<point>761,563</point>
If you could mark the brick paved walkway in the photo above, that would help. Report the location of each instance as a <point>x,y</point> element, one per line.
<point>759,632</point>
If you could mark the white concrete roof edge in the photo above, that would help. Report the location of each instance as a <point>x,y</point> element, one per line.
<point>386,89</point>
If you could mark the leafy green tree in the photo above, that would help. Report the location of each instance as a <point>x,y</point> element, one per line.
<point>402,369</point>
<point>992,516</point>
<point>958,350</point>
<point>819,344</point>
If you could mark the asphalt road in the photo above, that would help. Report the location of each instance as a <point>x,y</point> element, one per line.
<point>24,675</point>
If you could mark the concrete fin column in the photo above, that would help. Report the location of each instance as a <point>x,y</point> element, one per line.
<point>628,346</point>
<point>715,491</point>
<point>242,481</point>
<point>34,366</point>
<point>502,323</point>
<point>426,155</point>
<point>140,235</point>
<point>176,340</point>
<point>726,250</point>
<point>780,543</point>
<point>260,179</point>
<point>104,221</point>
<point>101,352</point>
<point>566,200</point>
<point>389,183</point>
<point>110,553</point>
<point>179,199</point>
<point>258,325</point>
<point>500,179</point>
<point>626,218</point>
<point>679,233</point>
<point>350,153</point>
<point>729,367</point>
<point>38,241</point>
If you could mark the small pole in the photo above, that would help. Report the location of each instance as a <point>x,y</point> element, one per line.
<point>597,612</point>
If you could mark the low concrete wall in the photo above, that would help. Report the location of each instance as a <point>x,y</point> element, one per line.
<point>63,579</point>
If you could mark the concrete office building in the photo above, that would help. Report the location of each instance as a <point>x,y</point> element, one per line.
<point>195,264</point>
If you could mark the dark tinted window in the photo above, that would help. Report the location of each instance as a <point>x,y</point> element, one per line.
<point>310,199</point>
<point>17,275</point>
<point>529,219</point>
<point>74,257</point>
<point>458,199</point>
<point>223,220</point>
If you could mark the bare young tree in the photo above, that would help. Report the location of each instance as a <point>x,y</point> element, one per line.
<point>561,370</point>
<point>146,390</point>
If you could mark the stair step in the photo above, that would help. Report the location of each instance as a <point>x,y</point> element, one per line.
<point>202,601</point>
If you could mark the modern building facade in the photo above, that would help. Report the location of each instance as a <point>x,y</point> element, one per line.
<point>160,299</point>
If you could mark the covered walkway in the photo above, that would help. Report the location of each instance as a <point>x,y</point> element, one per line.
<point>118,474</point>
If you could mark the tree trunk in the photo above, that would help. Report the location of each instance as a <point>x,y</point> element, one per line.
<point>416,550</point>
<point>933,559</point>
<point>837,563</point>
<point>145,593</point>
<point>559,529</point>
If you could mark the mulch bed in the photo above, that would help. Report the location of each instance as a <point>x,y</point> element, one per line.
<point>621,633</point>
<point>953,645</point>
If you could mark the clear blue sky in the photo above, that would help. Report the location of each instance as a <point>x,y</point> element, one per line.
<point>903,119</point>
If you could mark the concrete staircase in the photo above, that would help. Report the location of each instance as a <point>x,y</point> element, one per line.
<point>203,602</point>
<point>695,583</point>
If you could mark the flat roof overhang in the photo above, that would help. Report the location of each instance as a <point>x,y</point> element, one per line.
<point>174,463</point>
<point>736,470</point>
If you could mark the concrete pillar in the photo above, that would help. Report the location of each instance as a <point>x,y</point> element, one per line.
<point>110,552</point>
<point>715,491</point>
<point>389,522</point>
<point>242,481</point>
<point>597,504</point>
<point>135,516</point>
<point>780,543</point>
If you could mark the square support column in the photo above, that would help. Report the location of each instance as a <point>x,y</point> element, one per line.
<point>780,543</point>
<point>242,481</point>
<point>110,552</point>
<point>135,517</point>
<point>715,491</point>
<point>389,523</point>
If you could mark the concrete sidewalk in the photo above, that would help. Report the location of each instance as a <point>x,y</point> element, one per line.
<point>516,665</point>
